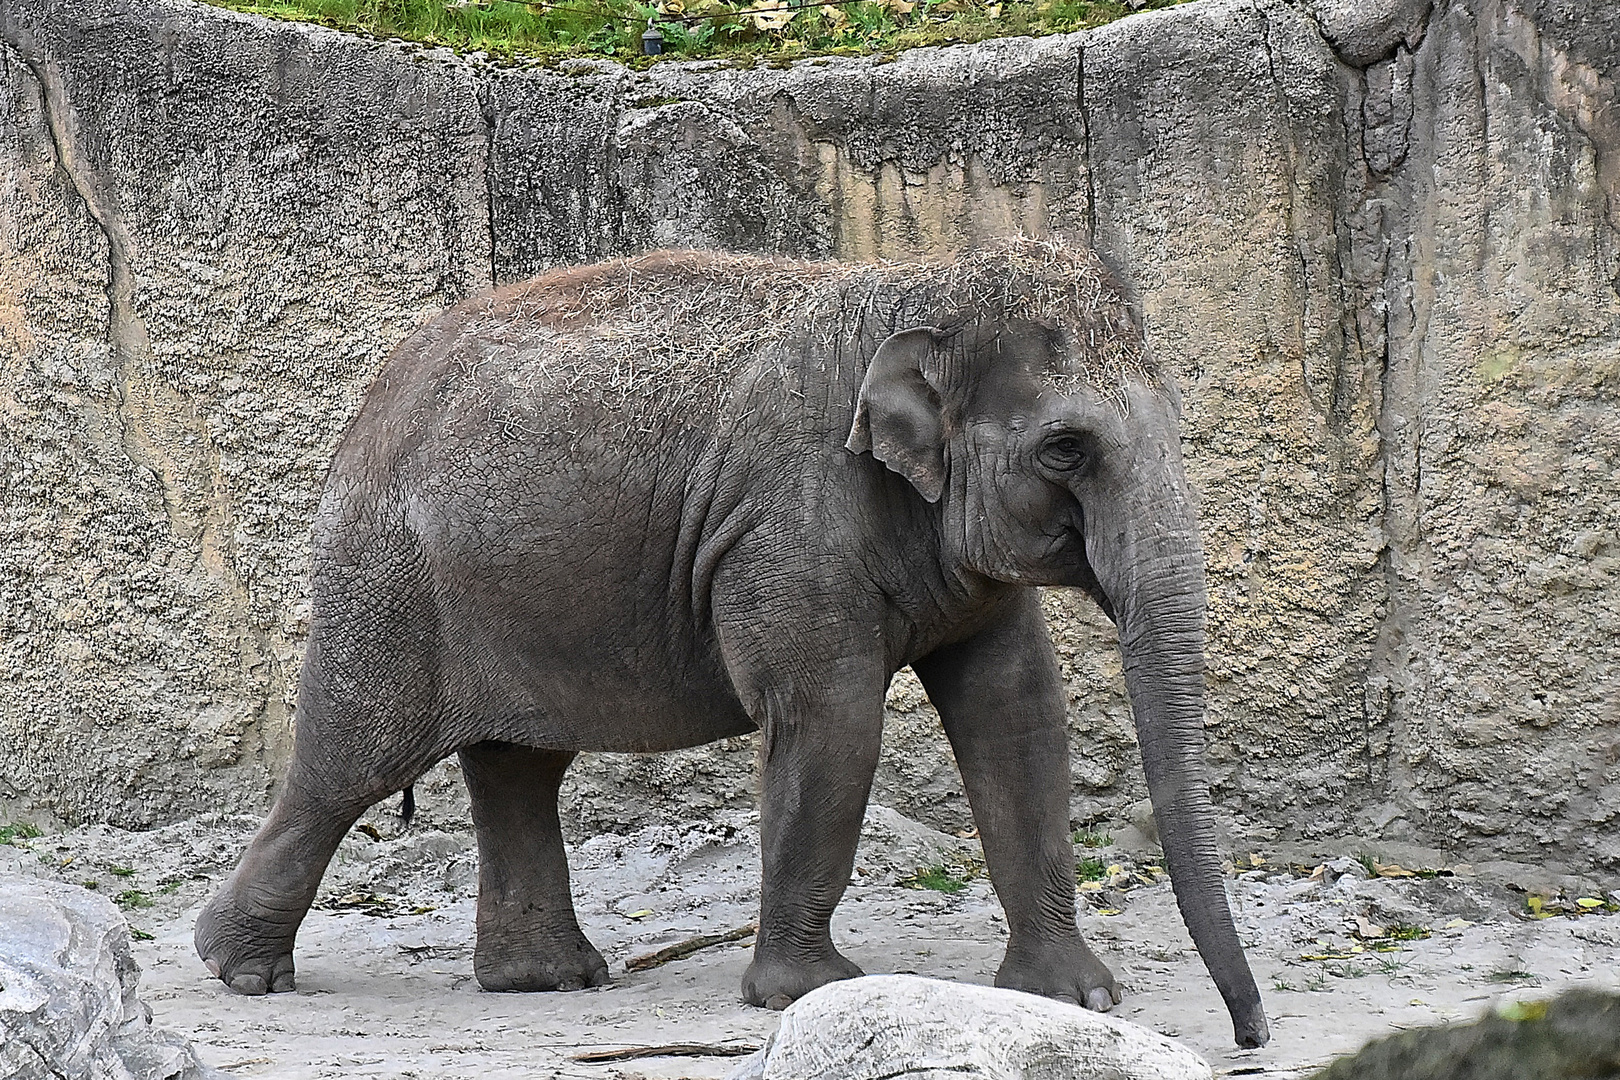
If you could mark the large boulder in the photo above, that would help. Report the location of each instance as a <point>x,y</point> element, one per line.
<point>926,1029</point>
<point>68,1008</point>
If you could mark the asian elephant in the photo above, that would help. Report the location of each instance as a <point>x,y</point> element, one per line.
<point>655,502</point>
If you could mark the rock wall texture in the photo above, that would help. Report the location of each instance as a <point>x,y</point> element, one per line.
<point>1378,243</point>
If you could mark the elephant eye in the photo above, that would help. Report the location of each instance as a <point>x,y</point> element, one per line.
<point>1065,453</point>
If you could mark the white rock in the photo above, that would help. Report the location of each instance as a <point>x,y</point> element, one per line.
<point>1345,866</point>
<point>67,992</point>
<point>1299,890</point>
<point>926,1029</point>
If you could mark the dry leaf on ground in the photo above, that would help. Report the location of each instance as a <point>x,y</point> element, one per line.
<point>771,14</point>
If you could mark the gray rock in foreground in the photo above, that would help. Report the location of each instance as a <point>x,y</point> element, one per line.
<point>68,1008</point>
<point>1577,1034</point>
<point>926,1029</point>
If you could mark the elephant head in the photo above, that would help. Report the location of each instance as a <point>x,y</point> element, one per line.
<point>1027,410</point>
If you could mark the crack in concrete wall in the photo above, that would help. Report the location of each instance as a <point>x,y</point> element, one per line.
<point>155,422</point>
<point>126,334</point>
<point>1085,142</point>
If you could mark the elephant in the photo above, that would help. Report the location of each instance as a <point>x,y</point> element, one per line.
<point>659,501</point>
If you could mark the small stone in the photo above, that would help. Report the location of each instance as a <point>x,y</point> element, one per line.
<point>1141,816</point>
<point>1299,890</point>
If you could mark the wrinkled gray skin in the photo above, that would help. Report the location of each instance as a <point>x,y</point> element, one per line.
<point>518,567</point>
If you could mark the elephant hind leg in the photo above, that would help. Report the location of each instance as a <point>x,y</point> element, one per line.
<point>528,936</point>
<point>245,933</point>
<point>351,752</point>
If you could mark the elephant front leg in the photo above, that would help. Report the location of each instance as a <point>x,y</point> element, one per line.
<point>1000,696</point>
<point>528,936</point>
<point>820,754</point>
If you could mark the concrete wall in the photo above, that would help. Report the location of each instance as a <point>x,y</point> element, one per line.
<point>1379,244</point>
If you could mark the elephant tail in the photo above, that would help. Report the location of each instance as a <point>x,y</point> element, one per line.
<point>407,804</point>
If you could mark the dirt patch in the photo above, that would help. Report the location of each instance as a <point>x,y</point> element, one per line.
<point>385,959</point>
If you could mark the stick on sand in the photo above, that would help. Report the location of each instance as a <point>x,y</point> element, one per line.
<point>688,947</point>
<point>630,1053</point>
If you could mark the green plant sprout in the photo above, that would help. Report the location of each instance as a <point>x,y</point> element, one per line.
<point>18,831</point>
<point>1516,975</point>
<point>939,878</point>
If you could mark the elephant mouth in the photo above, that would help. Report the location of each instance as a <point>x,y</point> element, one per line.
<point>1069,547</point>
<point>1089,585</point>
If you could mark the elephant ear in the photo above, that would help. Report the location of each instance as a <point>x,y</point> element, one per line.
<point>899,416</point>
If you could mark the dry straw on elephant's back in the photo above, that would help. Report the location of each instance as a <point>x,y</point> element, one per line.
<point>689,325</point>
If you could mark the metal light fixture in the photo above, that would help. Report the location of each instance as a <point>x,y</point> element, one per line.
<point>652,42</point>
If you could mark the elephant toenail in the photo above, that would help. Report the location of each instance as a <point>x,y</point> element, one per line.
<point>251,985</point>
<point>1099,1000</point>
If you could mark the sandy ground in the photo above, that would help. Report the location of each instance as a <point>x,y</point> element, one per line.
<point>385,982</point>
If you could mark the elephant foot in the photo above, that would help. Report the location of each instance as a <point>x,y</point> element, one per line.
<point>1065,970</point>
<point>571,963</point>
<point>249,954</point>
<point>775,982</point>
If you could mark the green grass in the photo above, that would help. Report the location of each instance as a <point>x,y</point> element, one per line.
<point>939,878</point>
<point>19,831</point>
<point>1091,869</point>
<point>1315,982</point>
<point>1093,839</point>
<point>121,871</point>
<point>549,31</point>
<point>1510,976</point>
<point>132,898</point>
<point>1347,971</point>
<point>1392,963</point>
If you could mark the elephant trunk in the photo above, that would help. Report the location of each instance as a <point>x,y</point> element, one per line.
<point>1161,624</point>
